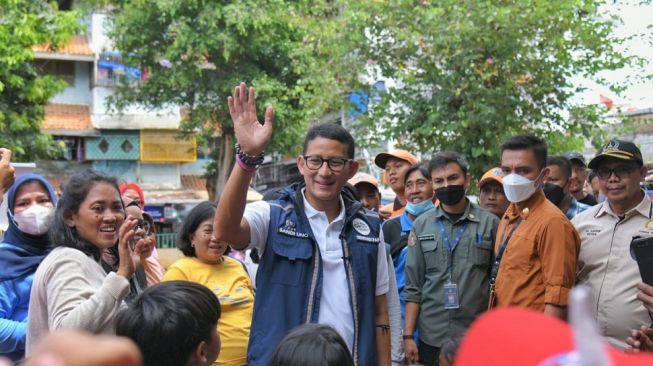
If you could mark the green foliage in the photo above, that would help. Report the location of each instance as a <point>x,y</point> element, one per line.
<point>196,51</point>
<point>472,73</point>
<point>23,92</point>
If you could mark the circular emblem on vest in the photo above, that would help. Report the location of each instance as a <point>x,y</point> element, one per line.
<point>360,226</point>
<point>412,239</point>
<point>649,224</point>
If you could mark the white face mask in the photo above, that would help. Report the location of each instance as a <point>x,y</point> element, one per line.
<point>36,220</point>
<point>518,188</point>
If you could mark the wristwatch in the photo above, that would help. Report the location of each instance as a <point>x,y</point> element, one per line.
<point>409,336</point>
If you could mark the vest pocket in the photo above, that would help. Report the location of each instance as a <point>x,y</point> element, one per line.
<point>292,259</point>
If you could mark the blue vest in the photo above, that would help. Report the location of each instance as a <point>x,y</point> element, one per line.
<point>289,277</point>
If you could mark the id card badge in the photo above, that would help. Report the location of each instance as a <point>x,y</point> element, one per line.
<point>451,300</point>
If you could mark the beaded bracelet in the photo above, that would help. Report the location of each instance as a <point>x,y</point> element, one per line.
<point>253,160</point>
<point>244,166</point>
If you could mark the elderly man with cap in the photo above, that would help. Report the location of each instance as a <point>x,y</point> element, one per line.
<point>579,173</point>
<point>490,192</point>
<point>395,163</point>
<point>367,189</point>
<point>606,230</point>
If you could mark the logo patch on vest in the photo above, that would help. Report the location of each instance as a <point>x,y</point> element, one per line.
<point>290,228</point>
<point>360,226</point>
<point>412,239</point>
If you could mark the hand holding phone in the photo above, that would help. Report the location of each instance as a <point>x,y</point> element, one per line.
<point>641,250</point>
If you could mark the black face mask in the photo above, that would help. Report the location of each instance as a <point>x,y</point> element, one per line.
<point>450,195</point>
<point>553,193</point>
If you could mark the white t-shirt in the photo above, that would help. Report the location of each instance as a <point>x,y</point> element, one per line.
<point>334,301</point>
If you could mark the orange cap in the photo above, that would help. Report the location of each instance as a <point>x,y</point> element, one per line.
<point>381,159</point>
<point>494,174</point>
<point>363,178</point>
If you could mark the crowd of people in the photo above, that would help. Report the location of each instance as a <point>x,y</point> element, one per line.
<point>337,277</point>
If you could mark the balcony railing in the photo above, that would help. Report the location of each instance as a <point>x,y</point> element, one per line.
<point>166,240</point>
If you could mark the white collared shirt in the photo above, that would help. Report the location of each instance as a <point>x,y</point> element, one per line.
<point>607,268</point>
<point>334,300</point>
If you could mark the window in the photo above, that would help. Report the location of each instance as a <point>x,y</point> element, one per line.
<point>64,70</point>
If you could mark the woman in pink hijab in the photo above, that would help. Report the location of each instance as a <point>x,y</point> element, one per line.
<point>132,192</point>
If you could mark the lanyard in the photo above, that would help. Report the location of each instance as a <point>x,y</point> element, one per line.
<point>502,248</point>
<point>451,246</point>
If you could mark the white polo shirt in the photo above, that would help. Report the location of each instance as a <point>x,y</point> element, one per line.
<point>335,309</point>
<point>607,268</point>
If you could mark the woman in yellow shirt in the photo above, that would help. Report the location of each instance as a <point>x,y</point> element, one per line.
<point>206,264</point>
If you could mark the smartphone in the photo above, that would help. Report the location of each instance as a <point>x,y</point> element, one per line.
<point>642,251</point>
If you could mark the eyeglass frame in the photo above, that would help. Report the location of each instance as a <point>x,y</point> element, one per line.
<point>141,224</point>
<point>625,169</point>
<point>328,161</point>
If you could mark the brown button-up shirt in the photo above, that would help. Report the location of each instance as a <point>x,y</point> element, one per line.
<point>539,263</point>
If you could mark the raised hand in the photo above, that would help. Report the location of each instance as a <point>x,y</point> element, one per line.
<point>250,134</point>
<point>127,266</point>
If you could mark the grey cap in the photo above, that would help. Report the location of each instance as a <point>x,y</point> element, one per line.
<point>571,156</point>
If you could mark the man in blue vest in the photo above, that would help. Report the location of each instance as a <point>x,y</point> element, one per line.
<point>322,256</point>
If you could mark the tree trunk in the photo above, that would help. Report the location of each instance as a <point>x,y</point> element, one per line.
<point>224,162</point>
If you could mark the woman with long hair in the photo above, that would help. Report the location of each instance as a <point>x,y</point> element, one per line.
<point>71,289</point>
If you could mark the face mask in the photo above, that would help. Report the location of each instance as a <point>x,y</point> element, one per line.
<point>417,209</point>
<point>36,220</point>
<point>450,195</point>
<point>518,188</point>
<point>553,193</point>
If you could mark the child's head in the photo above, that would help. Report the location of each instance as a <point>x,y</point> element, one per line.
<point>448,351</point>
<point>312,345</point>
<point>174,324</point>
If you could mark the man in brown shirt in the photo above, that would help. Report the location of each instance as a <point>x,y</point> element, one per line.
<point>536,245</point>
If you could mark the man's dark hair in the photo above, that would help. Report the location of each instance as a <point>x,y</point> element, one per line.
<point>200,213</point>
<point>528,142</point>
<point>562,163</point>
<point>422,169</point>
<point>169,320</point>
<point>331,131</point>
<point>444,158</point>
<point>72,196</point>
<point>312,345</point>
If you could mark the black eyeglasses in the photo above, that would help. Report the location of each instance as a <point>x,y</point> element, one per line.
<point>145,226</point>
<point>315,162</point>
<point>620,171</point>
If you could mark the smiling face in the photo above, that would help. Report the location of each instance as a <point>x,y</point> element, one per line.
<point>99,216</point>
<point>418,187</point>
<point>323,186</point>
<point>31,193</point>
<point>207,249</point>
<point>622,189</point>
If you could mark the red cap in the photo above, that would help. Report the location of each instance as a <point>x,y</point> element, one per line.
<point>125,186</point>
<point>515,336</point>
<point>381,159</point>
